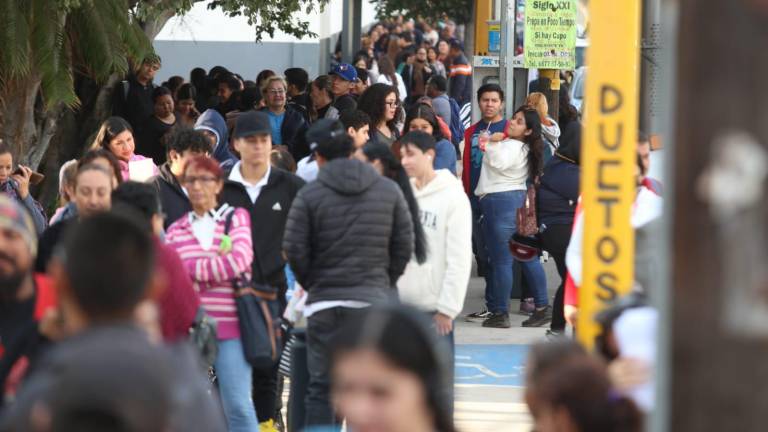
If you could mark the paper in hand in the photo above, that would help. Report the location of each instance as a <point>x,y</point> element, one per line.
<point>141,170</point>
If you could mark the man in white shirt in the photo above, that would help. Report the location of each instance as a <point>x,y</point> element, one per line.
<point>267,194</point>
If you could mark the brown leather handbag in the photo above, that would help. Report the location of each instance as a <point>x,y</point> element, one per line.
<point>527,222</point>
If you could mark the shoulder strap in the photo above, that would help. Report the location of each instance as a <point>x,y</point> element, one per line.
<point>126,86</point>
<point>230,214</point>
<point>228,220</point>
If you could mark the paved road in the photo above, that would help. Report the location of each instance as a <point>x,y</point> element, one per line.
<point>490,367</point>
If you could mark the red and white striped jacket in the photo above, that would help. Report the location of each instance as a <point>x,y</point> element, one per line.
<point>213,270</point>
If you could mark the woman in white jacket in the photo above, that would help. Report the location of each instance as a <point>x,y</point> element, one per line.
<point>509,162</point>
<point>439,285</point>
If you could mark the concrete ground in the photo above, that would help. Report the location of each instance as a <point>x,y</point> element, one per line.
<point>490,366</point>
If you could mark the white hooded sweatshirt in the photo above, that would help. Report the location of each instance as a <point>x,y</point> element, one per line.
<point>440,284</point>
<point>551,134</point>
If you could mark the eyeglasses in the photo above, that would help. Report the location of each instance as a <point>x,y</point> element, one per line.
<point>392,103</point>
<point>276,91</point>
<point>204,180</point>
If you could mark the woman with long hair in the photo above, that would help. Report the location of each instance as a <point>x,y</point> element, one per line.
<point>420,72</point>
<point>116,136</point>
<point>384,161</point>
<point>443,52</point>
<point>550,131</point>
<point>511,160</point>
<point>568,119</point>
<point>105,159</point>
<point>556,202</point>
<point>321,96</point>
<point>422,118</point>
<point>394,47</point>
<point>186,112</point>
<point>435,63</point>
<point>388,76</point>
<point>569,390</point>
<point>381,104</point>
<point>150,140</point>
<point>383,381</point>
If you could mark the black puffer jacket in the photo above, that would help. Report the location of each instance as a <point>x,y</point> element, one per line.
<point>349,234</point>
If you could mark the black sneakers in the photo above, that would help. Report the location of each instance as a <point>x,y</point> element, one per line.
<point>500,320</point>
<point>539,317</point>
<point>478,316</point>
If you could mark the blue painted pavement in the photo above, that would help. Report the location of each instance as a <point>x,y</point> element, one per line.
<point>497,365</point>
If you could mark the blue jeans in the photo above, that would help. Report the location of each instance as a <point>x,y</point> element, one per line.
<point>233,373</point>
<point>499,224</point>
<point>478,245</point>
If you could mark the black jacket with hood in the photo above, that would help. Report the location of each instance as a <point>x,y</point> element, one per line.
<point>349,234</point>
<point>174,201</point>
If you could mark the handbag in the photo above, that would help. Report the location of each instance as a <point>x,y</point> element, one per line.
<point>527,222</point>
<point>258,313</point>
<point>203,335</point>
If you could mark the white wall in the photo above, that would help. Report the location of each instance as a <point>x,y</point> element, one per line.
<point>208,38</point>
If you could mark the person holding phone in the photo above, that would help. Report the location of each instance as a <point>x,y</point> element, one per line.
<point>15,183</point>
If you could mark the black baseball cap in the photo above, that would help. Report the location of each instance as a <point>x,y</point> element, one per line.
<point>323,131</point>
<point>252,123</point>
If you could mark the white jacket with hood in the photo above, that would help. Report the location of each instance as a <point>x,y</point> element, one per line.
<point>440,284</point>
<point>551,134</point>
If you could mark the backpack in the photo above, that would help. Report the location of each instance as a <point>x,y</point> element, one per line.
<point>456,126</point>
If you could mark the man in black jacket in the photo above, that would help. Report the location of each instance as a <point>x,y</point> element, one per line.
<point>132,98</point>
<point>348,239</point>
<point>267,193</point>
<point>344,77</point>
<point>183,145</point>
<point>298,96</point>
<point>459,75</point>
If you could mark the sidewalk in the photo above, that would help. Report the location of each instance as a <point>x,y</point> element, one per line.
<point>490,366</point>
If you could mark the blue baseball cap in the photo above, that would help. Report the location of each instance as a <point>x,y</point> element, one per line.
<point>345,70</point>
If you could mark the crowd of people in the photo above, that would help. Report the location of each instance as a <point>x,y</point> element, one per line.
<point>347,208</point>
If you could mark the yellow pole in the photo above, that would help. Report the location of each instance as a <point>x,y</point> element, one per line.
<point>609,158</point>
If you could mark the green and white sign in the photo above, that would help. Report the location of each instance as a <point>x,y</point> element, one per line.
<point>550,34</point>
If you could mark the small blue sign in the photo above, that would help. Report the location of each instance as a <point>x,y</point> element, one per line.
<point>499,365</point>
<point>494,40</point>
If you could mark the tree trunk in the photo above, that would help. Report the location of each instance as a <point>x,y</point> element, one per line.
<point>18,128</point>
<point>44,138</point>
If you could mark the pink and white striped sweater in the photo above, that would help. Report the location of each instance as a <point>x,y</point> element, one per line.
<point>211,271</point>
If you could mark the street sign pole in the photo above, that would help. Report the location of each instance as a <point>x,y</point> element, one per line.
<point>609,159</point>
<point>719,378</point>
<point>507,54</point>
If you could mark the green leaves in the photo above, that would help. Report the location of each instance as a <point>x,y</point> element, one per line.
<point>49,47</point>
<point>270,15</point>
<point>458,10</point>
<point>14,39</point>
<point>51,39</point>
<point>266,15</point>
